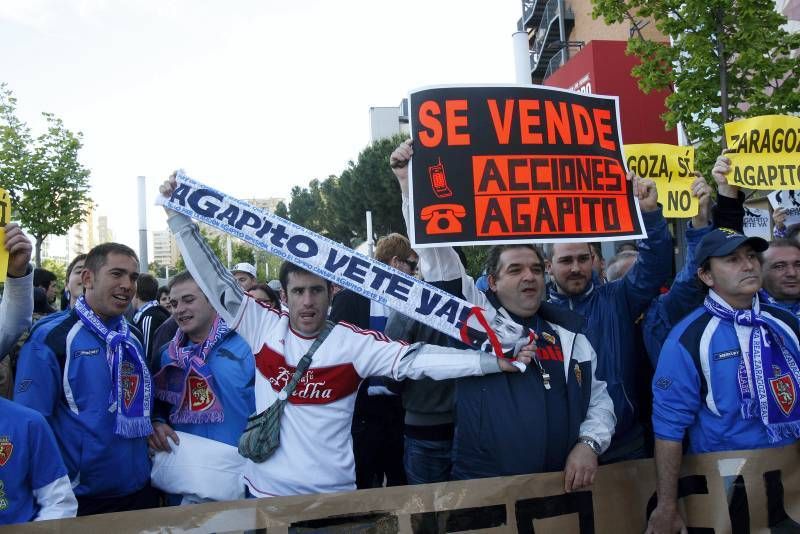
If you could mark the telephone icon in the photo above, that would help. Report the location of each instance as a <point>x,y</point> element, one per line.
<point>439,180</point>
<point>443,218</point>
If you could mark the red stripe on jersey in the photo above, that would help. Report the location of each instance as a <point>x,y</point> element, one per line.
<point>319,385</point>
<point>379,336</point>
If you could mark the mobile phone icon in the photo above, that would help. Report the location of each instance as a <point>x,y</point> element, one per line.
<point>439,180</point>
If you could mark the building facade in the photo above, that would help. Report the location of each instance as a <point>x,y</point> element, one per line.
<point>571,50</point>
<point>388,121</point>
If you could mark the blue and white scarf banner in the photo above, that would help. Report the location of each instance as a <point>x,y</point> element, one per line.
<point>490,330</point>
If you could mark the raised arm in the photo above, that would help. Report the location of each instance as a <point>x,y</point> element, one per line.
<point>210,275</point>
<point>377,355</point>
<point>729,211</point>
<point>16,307</point>
<point>643,281</point>
<point>684,295</point>
<point>436,264</point>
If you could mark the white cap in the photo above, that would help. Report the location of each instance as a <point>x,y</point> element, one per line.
<point>275,285</point>
<point>244,267</point>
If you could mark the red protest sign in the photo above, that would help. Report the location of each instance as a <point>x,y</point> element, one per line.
<point>504,164</point>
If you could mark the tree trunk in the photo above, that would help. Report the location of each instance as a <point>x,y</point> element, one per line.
<point>723,72</point>
<point>39,241</point>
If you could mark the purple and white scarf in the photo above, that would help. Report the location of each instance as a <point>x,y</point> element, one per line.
<point>186,381</point>
<point>131,393</point>
<point>769,375</point>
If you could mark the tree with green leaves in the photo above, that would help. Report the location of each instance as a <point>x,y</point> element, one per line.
<point>336,207</point>
<point>48,186</point>
<point>266,264</point>
<point>58,268</point>
<point>729,59</point>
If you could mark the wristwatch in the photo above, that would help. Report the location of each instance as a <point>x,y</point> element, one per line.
<point>592,444</point>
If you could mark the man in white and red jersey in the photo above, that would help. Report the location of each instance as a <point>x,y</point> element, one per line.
<point>315,453</point>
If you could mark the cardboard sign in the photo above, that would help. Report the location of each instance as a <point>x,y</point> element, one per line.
<point>756,222</point>
<point>765,152</point>
<point>5,217</point>
<point>736,491</point>
<point>789,201</point>
<point>671,167</point>
<point>513,164</point>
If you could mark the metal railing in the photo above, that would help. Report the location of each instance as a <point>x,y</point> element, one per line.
<point>528,6</point>
<point>558,59</point>
<point>549,15</point>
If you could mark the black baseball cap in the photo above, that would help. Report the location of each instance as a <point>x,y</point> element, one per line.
<point>723,241</point>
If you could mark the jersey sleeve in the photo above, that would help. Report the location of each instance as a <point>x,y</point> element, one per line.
<point>377,355</point>
<point>49,480</point>
<point>676,392</point>
<point>56,500</point>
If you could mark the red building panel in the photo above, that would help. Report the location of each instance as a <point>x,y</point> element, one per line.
<point>603,68</point>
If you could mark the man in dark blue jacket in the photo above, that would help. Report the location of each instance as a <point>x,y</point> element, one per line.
<point>611,311</point>
<point>556,413</point>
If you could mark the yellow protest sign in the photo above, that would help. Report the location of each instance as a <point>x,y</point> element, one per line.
<point>765,152</point>
<point>671,168</point>
<point>5,215</point>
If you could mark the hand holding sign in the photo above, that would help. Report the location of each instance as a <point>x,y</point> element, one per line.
<point>398,161</point>
<point>645,190</point>
<point>702,192</point>
<point>722,167</point>
<point>17,251</point>
<point>167,188</point>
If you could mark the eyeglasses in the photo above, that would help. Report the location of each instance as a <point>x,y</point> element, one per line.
<point>411,264</point>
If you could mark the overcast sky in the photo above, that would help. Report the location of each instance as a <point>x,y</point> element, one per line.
<point>252,97</point>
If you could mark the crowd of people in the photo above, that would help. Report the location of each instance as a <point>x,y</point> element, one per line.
<point>302,389</point>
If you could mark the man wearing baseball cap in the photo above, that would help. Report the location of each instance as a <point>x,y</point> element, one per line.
<point>245,275</point>
<point>728,374</point>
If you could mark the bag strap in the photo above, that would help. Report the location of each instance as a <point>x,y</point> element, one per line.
<point>305,361</point>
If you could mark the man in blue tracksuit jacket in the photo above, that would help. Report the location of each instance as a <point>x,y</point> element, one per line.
<point>95,395</point>
<point>612,309</point>
<point>729,373</point>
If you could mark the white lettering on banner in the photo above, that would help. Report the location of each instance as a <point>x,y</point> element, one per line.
<point>345,267</point>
